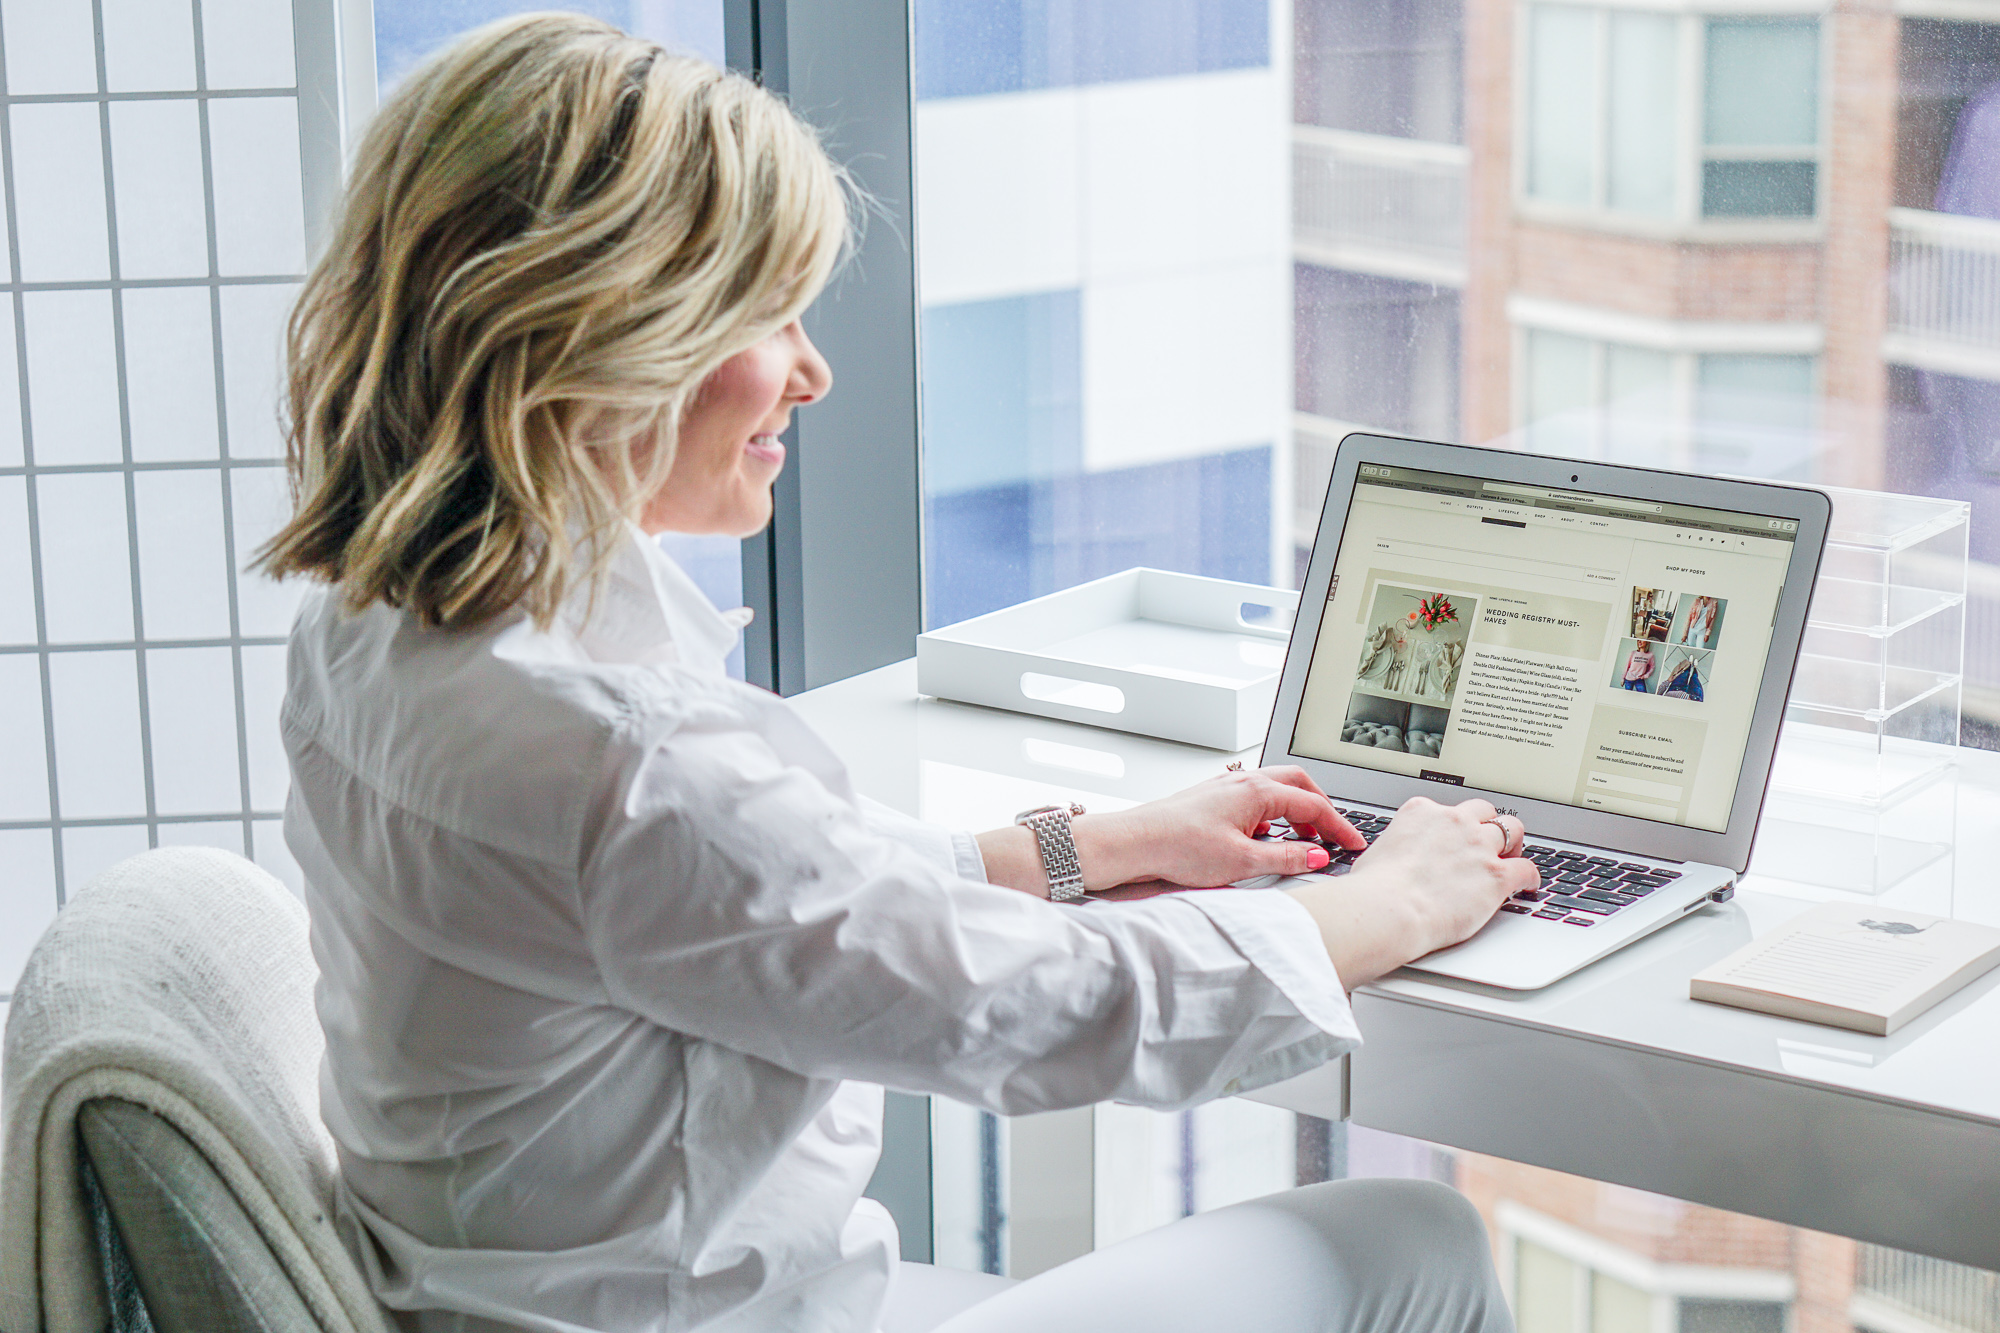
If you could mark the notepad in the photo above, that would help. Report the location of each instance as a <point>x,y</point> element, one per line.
<point>1868,968</point>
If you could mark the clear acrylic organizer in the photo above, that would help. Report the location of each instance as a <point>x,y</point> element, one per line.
<point>1863,792</point>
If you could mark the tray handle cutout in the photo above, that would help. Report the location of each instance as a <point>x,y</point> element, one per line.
<point>1072,693</point>
<point>1262,615</point>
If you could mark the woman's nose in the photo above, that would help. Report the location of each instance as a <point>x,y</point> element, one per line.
<point>812,377</point>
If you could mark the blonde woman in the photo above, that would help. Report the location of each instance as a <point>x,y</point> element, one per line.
<point>614,961</point>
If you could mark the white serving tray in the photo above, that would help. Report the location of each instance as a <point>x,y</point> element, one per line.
<point>1146,651</point>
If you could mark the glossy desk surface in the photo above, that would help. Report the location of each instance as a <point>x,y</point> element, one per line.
<point>1612,1073</point>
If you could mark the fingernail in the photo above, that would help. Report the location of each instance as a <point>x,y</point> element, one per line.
<point>1263,827</point>
<point>1305,830</point>
<point>1317,858</point>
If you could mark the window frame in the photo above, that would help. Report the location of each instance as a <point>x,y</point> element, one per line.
<point>1692,151</point>
<point>836,580</point>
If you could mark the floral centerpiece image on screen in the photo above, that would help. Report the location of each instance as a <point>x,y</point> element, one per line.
<point>1412,651</point>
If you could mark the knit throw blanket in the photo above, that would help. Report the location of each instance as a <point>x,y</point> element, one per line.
<point>180,980</point>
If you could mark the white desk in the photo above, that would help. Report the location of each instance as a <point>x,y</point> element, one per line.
<point>1612,1073</point>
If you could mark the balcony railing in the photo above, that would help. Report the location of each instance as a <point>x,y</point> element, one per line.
<point>1375,204</point>
<point>1944,293</point>
<point>1943,1295</point>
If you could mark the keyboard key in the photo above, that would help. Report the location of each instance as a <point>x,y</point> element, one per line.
<point>1600,861</point>
<point>1583,905</point>
<point>1632,865</point>
<point>1667,874</point>
<point>1531,895</point>
<point>1638,890</point>
<point>1515,907</point>
<point>1573,877</point>
<point>1578,921</point>
<point>1615,899</point>
<point>1541,848</point>
<point>1551,914</point>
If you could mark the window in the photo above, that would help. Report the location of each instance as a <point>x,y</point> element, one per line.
<point>158,172</point>
<point>1106,295</point>
<point>1610,95</point>
<point>1708,411</point>
<point>1567,1279</point>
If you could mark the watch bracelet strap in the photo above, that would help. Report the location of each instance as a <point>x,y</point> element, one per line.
<point>1057,847</point>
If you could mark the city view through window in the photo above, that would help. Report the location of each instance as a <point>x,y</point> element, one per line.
<point>1171,253</point>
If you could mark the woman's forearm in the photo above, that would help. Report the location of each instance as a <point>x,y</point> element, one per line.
<point>1014,862</point>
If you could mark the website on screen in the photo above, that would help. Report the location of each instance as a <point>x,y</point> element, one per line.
<point>1552,644</point>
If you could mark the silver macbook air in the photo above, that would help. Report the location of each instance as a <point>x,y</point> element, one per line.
<point>1603,650</point>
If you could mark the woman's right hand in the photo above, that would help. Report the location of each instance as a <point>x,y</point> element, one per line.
<point>1431,879</point>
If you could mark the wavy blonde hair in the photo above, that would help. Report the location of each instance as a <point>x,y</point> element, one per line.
<point>553,234</point>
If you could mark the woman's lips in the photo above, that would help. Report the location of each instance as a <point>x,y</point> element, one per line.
<point>766,449</point>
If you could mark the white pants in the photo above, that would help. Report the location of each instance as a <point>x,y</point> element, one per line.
<point>1349,1256</point>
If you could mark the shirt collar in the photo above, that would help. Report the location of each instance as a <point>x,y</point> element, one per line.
<point>648,612</point>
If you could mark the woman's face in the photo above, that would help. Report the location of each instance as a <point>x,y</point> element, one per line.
<point>729,454</point>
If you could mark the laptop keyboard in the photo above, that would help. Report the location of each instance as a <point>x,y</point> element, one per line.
<point>1578,888</point>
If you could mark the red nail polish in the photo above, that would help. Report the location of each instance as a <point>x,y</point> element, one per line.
<point>1317,858</point>
<point>1305,830</point>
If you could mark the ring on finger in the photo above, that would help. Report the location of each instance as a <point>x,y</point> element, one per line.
<point>1506,834</point>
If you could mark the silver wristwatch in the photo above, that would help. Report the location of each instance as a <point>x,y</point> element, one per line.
<point>1050,825</point>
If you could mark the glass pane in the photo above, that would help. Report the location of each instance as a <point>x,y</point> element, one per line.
<point>1763,82</point>
<point>1758,189</point>
<point>1639,404</point>
<point>1644,89</point>
<point>1616,1307</point>
<point>1562,392</point>
<point>1105,383</point>
<point>1545,1290</point>
<point>1562,103</point>
<point>1376,68</point>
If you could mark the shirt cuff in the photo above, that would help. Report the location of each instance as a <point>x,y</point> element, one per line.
<point>1281,940</point>
<point>966,857</point>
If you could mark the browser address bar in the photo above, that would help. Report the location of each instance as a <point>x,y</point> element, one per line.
<point>1542,493</point>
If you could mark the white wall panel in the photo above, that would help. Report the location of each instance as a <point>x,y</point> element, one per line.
<point>263,696</point>
<point>59,191</point>
<point>89,852</point>
<point>10,390</point>
<point>100,768</point>
<point>149,45</point>
<point>86,557</point>
<point>50,48</point>
<point>253,321</point>
<point>268,849</point>
<point>170,373</point>
<point>27,896</point>
<point>258,499</point>
<point>999,195</point>
<point>259,208</point>
<point>24,777</point>
<point>1182,174</point>
<point>183,565</point>
<point>1185,363</point>
<point>17,576</point>
<point>193,721</point>
<point>72,377</point>
<point>156,175</point>
<point>224,833</point>
<point>248,42</point>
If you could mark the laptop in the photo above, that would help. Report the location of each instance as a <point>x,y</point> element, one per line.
<point>1602,650</point>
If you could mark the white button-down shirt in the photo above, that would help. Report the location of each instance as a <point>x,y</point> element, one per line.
<point>614,964</point>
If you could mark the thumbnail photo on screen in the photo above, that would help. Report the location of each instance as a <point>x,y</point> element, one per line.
<point>1411,656</point>
<point>1670,649</point>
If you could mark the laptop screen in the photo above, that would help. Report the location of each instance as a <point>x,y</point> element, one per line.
<point>1557,645</point>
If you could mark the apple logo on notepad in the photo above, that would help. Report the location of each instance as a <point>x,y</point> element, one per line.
<point>1893,927</point>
